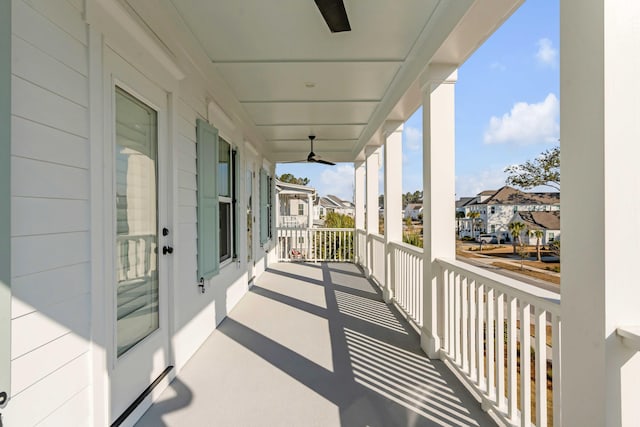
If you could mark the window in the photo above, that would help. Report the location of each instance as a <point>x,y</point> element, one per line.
<point>266,184</point>
<point>493,209</point>
<point>300,239</point>
<point>217,198</point>
<point>227,200</point>
<point>300,209</point>
<point>515,209</point>
<point>552,237</point>
<point>493,228</point>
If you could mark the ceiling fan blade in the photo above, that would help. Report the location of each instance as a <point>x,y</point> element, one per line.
<point>324,162</point>
<point>334,14</point>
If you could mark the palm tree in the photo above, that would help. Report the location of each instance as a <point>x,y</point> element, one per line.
<point>538,235</point>
<point>473,216</point>
<point>516,228</point>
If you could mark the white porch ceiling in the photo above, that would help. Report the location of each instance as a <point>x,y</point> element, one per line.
<point>293,77</point>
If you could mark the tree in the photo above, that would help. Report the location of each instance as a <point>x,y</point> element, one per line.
<point>538,235</point>
<point>473,216</point>
<point>291,179</point>
<point>543,170</point>
<point>516,228</point>
<point>334,245</point>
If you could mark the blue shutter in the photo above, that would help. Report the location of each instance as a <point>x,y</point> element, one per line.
<point>264,196</point>
<point>208,222</point>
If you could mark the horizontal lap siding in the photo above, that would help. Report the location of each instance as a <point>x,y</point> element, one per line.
<point>50,215</point>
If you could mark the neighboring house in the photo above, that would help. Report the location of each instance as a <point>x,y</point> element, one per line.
<point>546,221</point>
<point>496,209</point>
<point>331,203</point>
<point>295,204</point>
<point>413,211</point>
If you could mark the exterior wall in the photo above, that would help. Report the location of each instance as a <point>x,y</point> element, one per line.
<point>50,207</point>
<point>53,364</point>
<point>504,214</point>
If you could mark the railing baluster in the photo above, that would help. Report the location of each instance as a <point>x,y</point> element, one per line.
<point>480,335</point>
<point>541,367</point>
<point>446,309</point>
<point>490,330</point>
<point>525,364</point>
<point>501,345</point>
<point>472,330</point>
<point>556,370</point>
<point>512,361</point>
<point>464,320</point>
<point>457,316</point>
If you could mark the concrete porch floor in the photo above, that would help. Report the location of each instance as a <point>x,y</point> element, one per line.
<point>314,345</point>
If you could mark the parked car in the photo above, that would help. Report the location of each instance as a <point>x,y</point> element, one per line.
<point>487,238</point>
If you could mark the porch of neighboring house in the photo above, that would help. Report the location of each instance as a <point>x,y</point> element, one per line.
<point>315,344</point>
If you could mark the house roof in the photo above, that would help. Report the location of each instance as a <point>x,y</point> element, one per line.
<point>414,206</point>
<point>464,201</point>
<point>512,196</point>
<point>286,187</point>
<point>541,220</point>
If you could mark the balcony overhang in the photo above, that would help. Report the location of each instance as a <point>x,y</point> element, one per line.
<point>282,75</point>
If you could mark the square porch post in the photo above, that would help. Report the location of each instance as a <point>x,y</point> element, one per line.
<point>600,151</point>
<point>373,165</point>
<point>438,113</point>
<point>359,201</point>
<point>392,201</point>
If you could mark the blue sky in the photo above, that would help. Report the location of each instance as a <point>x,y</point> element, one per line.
<point>507,109</point>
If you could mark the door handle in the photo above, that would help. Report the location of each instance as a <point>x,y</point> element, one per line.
<point>167,250</point>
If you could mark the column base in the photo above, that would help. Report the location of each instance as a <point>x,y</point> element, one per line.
<point>387,295</point>
<point>430,344</point>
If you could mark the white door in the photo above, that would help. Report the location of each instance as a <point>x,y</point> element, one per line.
<point>137,153</point>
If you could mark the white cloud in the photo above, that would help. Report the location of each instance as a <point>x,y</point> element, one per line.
<point>499,66</point>
<point>470,185</point>
<point>412,138</point>
<point>337,180</point>
<point>526,123</point>
<point>547,55</point>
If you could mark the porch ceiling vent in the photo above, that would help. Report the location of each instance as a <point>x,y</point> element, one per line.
<point>334,14</point>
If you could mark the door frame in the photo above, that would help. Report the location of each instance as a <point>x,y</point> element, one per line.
<point>120,73</point>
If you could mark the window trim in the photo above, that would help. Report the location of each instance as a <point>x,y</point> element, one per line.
<point>226,200</point>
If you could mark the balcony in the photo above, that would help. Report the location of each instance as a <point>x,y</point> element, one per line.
<point>314,344</point>
<point>320,337</point>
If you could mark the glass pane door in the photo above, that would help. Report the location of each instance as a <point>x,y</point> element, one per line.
<point>137,221</point>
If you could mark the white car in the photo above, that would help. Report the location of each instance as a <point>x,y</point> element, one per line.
<point>487,238</point>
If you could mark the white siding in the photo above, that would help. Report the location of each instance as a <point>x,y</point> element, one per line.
<point>51,219</point>
<point>50,215</point>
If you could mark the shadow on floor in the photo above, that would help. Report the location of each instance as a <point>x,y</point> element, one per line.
<point>316,345</point>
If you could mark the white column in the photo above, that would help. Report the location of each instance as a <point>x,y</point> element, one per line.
<point>600,150</point>
<point>310,211</point>
<point>438,121</point>
<point>371,221</point>
<point>359,194</point>
<point>359,201</point>
<point>392,201</point>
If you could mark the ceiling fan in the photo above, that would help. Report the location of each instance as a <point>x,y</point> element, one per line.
<point>334,14</point>
<point>311,158</point>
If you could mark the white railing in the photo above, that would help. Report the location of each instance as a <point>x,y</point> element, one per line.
<point>487,320</point>
<point>316,244</point>
<point>408,284</point>
<point>376,256</point>
<point>293,221</point>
